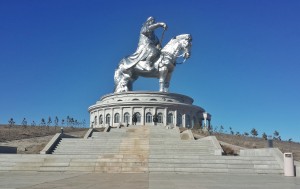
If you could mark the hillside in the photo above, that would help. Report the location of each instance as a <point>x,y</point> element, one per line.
<point>254,142</point>
<point>32,139</point>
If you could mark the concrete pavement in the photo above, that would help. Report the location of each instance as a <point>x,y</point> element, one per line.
<point>47,180</point>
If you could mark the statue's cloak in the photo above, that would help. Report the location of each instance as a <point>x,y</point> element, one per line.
<point>145,47</point>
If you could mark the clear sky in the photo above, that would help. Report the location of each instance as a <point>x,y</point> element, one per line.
<point>58,57</point>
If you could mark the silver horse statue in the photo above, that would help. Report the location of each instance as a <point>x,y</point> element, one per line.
<point>163,66</point>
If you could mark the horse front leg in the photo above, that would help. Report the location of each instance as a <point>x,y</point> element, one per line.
<point>167,82</point>
<point>163,71</point>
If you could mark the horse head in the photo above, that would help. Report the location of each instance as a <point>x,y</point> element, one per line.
<point>180,43</point>
<point>186,43</point>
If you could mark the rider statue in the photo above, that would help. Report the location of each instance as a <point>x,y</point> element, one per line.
<point>150,59</point>
<point>149,46</point>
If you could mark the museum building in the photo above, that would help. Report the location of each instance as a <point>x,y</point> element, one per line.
<point>170,109</point>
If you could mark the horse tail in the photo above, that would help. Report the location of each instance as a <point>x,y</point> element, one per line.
<point>117,76</point>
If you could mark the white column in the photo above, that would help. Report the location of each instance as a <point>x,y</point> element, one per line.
<point>183,119</point>
<point>205,120</point>
<point>104,117</point>
<point>98,124</point>
<point>130,117</point>
<point>121,117</point>
<point>165,117</point>
<point>143,116</point>
<point>154,113</point>
<point>112,119</point>
<point>175,118</point>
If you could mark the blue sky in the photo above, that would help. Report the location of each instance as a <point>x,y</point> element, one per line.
<point>58,57</point>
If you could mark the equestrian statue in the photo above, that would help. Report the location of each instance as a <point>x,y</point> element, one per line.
<point>150,59</point>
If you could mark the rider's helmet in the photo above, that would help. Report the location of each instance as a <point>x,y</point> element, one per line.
<point>150,19</point>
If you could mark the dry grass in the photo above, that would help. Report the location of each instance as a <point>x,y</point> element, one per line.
<point>18,132</point>
<point>32,139</point>
<point>228,150</point>
<point>256,142</point>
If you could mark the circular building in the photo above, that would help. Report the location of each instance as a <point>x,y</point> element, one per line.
<point>170,109</point>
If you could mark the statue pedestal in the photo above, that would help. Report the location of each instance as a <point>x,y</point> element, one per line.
<point>171,109</point>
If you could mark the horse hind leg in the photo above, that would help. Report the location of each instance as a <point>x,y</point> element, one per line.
<point>121,80</point>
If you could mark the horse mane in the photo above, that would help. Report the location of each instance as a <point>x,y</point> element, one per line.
<point>177,38</point>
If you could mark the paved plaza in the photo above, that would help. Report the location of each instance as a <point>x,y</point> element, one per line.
<point>47,180</point>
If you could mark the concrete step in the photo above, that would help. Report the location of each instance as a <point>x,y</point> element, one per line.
<point>139,149</point>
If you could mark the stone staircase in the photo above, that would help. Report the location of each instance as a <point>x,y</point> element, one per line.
<point>138,149</point>
<point>170,154</point>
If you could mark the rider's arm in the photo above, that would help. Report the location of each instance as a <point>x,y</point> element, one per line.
<point>152,27</point>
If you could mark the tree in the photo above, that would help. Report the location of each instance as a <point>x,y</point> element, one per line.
<point>221,129</point>
<point>11,122</point>
<point>231,131</point>
<point>33,123</point>
<point>264,136</point>
<point>62,122</point>
<point>254,132</point>
<point>24,123</point>
<point>68,120</point>
<point>71,122</point>
<point>49,121</point>
<point>246,133</point>
<point>83,123</point>
<point>76,123</point>
<point>43,123</point>
<point>276,135</point>
<point>56,121</point>
<point>216,129</point>
<point>210,128</point>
